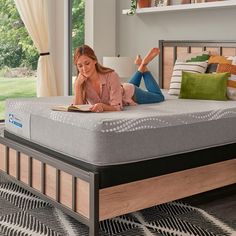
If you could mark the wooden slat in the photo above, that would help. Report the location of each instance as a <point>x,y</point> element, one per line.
<point>196,49</point>
<point>12,162</point>
<point>213,51</point>
<point>2,157</point>
<point>82,197</point>
<point>168,66</point>
<point>229,52</point>
<point>66,189</point>
<point>138,195</point>
<point>24,168</point>
<point>50,181</point>
<point>181,51</point>
<point>36,174</point>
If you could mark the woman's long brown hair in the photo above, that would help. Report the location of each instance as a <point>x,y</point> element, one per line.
<point>89,52</point>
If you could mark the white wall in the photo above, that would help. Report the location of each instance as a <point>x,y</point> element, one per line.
<point>139,33</point>
<point>59,43</point>
<point>100,22</point>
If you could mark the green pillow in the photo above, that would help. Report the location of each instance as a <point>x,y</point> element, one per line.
<point>204,86</point>
<point>203,57</point>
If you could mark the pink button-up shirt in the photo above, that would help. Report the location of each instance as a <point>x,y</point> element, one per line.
<point>112,92</point>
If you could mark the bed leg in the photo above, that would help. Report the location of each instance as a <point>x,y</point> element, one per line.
<point>94,205</point>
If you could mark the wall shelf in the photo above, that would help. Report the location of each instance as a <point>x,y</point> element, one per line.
<point>186,7</point>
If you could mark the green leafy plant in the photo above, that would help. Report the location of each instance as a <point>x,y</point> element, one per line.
<point>133,7</point>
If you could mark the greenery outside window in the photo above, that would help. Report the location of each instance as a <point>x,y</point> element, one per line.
<point>76,34</point>
<point>18,57</point>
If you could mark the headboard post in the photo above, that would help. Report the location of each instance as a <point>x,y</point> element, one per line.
<point>161,62</point>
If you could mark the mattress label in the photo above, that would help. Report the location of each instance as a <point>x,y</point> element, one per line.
<point>15,120</point>
<point>18,123</point>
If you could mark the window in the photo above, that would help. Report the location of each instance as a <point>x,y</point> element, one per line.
<point>18,57</point>
<point>76,33</point>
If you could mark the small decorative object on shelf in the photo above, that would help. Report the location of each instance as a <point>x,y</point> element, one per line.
<point>197,1</point>
<point>143,3</point>
<point>185,1</point>
<point>161,3</point>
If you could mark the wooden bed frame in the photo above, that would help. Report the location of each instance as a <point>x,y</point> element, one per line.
<point>77,191</point>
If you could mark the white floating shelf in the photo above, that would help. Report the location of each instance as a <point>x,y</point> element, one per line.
<point>185,7</point>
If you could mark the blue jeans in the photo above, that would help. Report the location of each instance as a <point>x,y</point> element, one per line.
<point>153,93</point>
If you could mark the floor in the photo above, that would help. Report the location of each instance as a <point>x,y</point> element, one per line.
<point>208,214</point>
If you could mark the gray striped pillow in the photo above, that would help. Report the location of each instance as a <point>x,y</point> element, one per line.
<point>194,67</point>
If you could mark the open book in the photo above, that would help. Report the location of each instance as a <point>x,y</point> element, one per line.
<point>82,108</point>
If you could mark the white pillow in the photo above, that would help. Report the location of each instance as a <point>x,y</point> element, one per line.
<point>233,58</point>
<point>194,67</point>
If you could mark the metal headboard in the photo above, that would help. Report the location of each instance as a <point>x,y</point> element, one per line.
<point>204,44</point>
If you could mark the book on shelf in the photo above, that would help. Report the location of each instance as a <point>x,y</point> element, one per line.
<point>73,108</point>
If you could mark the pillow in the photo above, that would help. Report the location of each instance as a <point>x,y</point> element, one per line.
<point>211,68</point>
<point>231,87</point>
<point>175,83</point>
<point>184,57</point>
<point>219,59</point>
<point>231,84</point>
<point>233,58</point>
<point>203,57</point>
<point>204,86</point>
<point>226,68</point>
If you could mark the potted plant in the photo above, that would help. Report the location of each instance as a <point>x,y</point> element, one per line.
<point>139,4</point>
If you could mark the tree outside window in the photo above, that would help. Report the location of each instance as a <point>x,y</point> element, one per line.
<point>78,14</point>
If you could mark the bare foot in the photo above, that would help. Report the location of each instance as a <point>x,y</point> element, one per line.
<point>138,60</point>
<point>151,54</point>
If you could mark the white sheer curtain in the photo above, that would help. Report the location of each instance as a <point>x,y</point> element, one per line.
<point>34,14</point>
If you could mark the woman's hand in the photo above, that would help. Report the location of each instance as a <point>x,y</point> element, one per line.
<point>98,107</point>
<point>80,80</point>
<point>79,89</point>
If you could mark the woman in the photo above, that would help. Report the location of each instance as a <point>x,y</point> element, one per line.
<point>101,87</point>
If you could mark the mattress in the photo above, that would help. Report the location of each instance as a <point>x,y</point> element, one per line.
<point>138,133</point>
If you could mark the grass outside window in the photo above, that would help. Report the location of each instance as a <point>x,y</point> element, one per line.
<point>15,88</point>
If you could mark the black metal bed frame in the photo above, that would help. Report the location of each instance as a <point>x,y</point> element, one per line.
<point>91,177</point>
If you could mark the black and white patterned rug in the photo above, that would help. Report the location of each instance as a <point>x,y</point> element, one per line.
<point>22,214</point>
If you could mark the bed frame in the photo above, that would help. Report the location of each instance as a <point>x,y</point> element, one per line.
<point>78,192</point>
